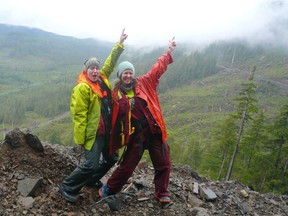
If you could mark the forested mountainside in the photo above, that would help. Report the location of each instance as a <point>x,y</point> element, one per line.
<point>29,49</point>
<point>201,96</point>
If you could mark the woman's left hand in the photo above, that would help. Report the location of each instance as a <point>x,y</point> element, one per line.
<point>123,36</point>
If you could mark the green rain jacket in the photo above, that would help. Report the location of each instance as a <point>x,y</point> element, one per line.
<point>85,105</point>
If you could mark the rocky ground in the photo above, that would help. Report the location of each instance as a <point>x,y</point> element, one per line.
<point>31,173</point>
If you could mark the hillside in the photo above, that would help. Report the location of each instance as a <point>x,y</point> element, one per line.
<point>46,65</point>
<point>31,173</point>
<point>30,49</point>
<point>197,93</point>
<point>192,111</point>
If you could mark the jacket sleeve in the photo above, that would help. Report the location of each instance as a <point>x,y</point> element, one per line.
<point>79,106</point>
<point>111,61</point>
<point>158,69</point>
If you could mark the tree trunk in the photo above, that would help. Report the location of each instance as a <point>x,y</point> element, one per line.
<point>250,157</point>
<point>285,166</point>
<point>236,145</point>
<point>223,162</point>
<point>281,143</point>
<point>262,183</point>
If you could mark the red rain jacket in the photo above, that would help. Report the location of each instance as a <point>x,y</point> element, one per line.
<point>146,88</point>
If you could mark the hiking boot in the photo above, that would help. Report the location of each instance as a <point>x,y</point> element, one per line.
<point>165,201</point>
<point>103,191</point>
<point>68,196</point>
<point>96,185</point>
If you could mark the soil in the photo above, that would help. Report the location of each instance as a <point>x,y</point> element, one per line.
<point>48,164</point>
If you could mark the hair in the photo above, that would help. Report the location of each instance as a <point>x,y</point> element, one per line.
<point>118,84</point>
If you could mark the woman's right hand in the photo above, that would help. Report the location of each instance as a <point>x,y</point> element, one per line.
<point>172,45</point>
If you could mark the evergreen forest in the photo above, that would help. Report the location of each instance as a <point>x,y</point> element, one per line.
<point>225,104</point>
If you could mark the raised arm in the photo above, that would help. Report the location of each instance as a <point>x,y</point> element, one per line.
<point>112,59</point>
<point>160,67</point>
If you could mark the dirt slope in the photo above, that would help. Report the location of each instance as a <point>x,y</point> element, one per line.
<point>19,160</point>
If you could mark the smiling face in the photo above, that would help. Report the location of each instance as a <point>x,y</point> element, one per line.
<point>127,76</point>
<point>93,73</point>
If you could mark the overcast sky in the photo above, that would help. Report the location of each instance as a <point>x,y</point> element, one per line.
<point>153,21</point>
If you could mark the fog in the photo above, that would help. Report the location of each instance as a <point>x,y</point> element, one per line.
<point>154,22</point>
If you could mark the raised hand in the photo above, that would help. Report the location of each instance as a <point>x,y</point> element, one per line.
<point>172,45</point>
<point>123,36</point>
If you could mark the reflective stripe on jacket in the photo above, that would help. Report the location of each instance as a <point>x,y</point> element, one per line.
<point>85,105</point>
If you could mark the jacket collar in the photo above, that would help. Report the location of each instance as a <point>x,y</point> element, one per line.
<point>82,78</point>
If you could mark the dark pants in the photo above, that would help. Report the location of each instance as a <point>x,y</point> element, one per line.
<point>160,156</point>
<point>92,169</point>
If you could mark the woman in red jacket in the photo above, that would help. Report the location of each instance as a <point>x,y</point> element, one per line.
<point>137,123</point>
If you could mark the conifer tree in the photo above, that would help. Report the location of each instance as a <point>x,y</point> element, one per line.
<point>280,132</point>
<point>246,107</point>
<point>225,138</point>
<point>253,138</point>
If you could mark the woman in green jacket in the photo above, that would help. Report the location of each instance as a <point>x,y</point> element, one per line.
<point>90,109</point>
